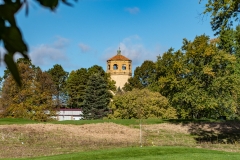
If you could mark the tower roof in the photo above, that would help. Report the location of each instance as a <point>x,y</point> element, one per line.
<point>119,57</point>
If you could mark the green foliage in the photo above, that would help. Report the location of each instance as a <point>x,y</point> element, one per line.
<point>76,85</point>
<point>229,41</point>
<point>199,80</point>
<point>11,35</point>
<point>223,13</point>
<point>59,77</point>
<point>143,76</point>
<point>99,70</point>
<point>170,69</point>
<point>141,104</point>
<point>97,98</point>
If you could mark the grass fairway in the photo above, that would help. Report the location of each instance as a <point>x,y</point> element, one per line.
<point>6,121</point>
<point>145,153</point>
<point>126,122</point>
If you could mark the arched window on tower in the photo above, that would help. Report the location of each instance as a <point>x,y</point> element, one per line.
<point>124,67</point>
<point>129,67</point>
<point>108,67</point>
<point>115,67</point>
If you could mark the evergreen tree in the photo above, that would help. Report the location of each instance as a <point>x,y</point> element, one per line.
<point>98,69</point>
<point>97,98</point>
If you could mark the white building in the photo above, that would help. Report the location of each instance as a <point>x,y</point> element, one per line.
<point>69,114</point>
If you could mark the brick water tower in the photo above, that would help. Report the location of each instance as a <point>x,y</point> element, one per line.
<point>120,69</point>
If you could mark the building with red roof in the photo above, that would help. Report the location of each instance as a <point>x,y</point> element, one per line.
<point>120,69</point>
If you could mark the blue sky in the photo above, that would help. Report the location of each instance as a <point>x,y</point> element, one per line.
<point>91,32</point>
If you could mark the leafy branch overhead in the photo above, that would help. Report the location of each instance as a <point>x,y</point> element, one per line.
<point>11,35</point>
<point>223,13</point>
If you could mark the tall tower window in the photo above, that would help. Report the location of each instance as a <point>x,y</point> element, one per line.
<point>108,67</point>
<point>115,67</point>
<point>129,67</point>
<point>124,67</point>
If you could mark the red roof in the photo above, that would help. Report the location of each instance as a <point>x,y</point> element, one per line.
<point>70,109</point>
<point>119,57</point>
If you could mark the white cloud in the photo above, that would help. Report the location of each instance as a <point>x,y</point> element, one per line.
<point>45,54</point>
<point>133,48</point>
<point>84,48</point>
<point>133,10</point>
<point>61,42</point>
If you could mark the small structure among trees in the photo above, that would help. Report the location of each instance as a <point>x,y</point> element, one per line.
<point>69,114</point>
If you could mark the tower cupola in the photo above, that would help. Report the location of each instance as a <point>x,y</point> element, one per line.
<point>120,68</point>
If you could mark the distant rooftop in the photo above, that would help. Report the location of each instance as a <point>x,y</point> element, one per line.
<point>119,57</point>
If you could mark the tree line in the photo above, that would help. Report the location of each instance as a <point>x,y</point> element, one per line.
<point>43,92</point>
<point>200,80</point>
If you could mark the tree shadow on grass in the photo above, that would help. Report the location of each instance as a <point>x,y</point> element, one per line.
<point>224,132</point>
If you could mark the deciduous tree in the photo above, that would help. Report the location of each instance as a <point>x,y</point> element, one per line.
<point>223,13</point>
<point>76,85</point>
<point>59,77</point>
<point>143,76</point>
<point>201,79</point>
<point>34,99</point>
<point>141,104</point>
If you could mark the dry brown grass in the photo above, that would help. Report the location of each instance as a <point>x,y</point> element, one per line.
<point>48,139</point>
<point>223,136</point>
<point>168,127</point>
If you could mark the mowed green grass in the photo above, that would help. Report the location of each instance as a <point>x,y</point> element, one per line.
<point>126,122</point>
<point>145,153</point>
<point>5,121</point>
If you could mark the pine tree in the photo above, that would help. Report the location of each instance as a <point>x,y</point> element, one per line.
<point>98,69</point>
<point>97,98</point>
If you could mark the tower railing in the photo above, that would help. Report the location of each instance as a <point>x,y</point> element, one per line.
<point>120,73</point>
